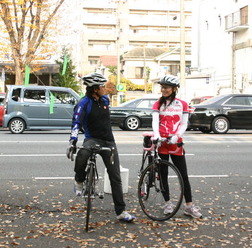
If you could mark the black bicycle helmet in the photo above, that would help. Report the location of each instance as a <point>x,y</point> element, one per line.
<point>170,80</point>
<point>93,79</point>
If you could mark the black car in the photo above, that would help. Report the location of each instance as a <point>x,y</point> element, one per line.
<point>133,114</point>
<point>221,113</point>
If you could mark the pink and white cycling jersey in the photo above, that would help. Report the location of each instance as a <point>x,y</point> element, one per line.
<point>169,121</point>
<point>170,116</point>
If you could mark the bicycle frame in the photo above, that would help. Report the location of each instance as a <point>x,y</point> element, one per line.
<point>92,177</point>
<point>151,182</point>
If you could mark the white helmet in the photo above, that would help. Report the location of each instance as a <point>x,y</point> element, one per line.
<point>94,79</point>
<point>170,80</point>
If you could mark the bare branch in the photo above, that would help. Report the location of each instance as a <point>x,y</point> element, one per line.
<point>26,22</point>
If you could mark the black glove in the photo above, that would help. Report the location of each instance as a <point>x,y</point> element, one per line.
<point>71,149</point>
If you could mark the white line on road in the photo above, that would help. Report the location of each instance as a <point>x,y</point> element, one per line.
<point>71,178</point>
<point>140,141</point>
<point>61,155</point>
<point>53,178</point>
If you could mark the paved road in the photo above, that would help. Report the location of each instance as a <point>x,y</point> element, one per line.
<point>38,208</point>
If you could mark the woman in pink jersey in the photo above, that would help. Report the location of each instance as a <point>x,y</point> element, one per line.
<point>169,119</point>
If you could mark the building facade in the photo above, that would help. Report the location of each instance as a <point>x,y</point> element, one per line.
<point>222,45</point>
<point>116,27</point>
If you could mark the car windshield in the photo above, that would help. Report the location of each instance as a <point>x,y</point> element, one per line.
<point>131,103</point>
<point>211,100</point>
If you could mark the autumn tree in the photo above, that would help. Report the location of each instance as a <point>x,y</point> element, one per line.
<point>26,23</point>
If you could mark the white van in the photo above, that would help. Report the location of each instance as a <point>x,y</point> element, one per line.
<point>39,107</point>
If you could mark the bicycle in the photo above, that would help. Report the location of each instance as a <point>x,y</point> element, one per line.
<point>154,186</point>
<point>92,178</point>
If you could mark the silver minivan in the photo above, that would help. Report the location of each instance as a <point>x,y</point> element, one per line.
<point>39,108</point>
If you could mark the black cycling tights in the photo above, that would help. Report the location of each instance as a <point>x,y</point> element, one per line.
<point>180,163</point>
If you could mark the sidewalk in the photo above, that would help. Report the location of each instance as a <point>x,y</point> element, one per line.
<point>47,214</point>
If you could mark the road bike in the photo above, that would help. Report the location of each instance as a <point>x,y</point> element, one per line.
<point>153,185</point>
<point>90,185</point>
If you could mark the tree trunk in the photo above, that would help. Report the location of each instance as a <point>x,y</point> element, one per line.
<point>19,76</point>
<point>18,71</point>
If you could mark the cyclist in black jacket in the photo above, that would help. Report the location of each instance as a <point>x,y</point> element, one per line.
<point>92,115</point>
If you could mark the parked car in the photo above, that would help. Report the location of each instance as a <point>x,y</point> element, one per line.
<point>39,107</point>
<point>198,100</point>
<point>133,114</point>
<point>2,96</point>
<point>221,113</point>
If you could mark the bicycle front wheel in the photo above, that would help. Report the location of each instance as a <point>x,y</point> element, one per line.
<point>89,192</point>
<point>160,181</point>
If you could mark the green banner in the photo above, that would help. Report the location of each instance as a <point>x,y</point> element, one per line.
<point>64,65</point>
<point>27,75</point>
<point>51,103</point>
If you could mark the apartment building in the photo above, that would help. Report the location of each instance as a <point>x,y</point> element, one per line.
<point>113,28</point>
<point>222,45</point>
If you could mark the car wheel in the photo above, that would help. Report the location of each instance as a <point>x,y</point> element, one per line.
<point>121,126</point>
<point>17,125</point>
<point>132,123</point>
<point>220,125</point>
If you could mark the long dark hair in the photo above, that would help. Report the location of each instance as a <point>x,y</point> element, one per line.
<point>162,100</point>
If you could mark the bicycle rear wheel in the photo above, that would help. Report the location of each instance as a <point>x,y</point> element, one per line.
<point>154,188</point>
<point>89,192</point>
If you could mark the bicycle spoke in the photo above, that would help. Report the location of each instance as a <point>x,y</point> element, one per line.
<point>152,191</point>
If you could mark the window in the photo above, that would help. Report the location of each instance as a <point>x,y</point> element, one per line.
<point>146,103</point>
<point>16,95</point>
<point>237,101</point>
<point>61,97</point>
<point>93,62</point>
<point>244,15</point>
<point>250,100</point>
<point>34,96</point>
<point>139,72</point>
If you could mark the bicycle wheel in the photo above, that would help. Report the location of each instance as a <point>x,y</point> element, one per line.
<point>89,191</point>
<point>153,189</point>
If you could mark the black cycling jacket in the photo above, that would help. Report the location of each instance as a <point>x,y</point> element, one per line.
<point>94,117</point>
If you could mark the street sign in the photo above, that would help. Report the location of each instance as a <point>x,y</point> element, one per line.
<point>121,87</point>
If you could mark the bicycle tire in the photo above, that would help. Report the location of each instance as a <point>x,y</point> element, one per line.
<point>150,189</point>
<point>89,190</point>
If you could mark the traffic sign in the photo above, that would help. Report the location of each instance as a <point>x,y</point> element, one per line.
<point>121,87</point>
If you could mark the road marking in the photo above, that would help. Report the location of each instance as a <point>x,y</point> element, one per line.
<point>53,178</point>
<point>198,141</point>
<point>71,178</point>
<point>32,155</point>
<point>63,155</point>
<point>209,176</point>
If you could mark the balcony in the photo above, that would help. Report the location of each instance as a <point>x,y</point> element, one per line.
<point>237,21</point>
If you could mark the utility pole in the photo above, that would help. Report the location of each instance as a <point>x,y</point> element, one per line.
<point>182,50</point>
<point>144,71</point>
<point>120,7</point>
